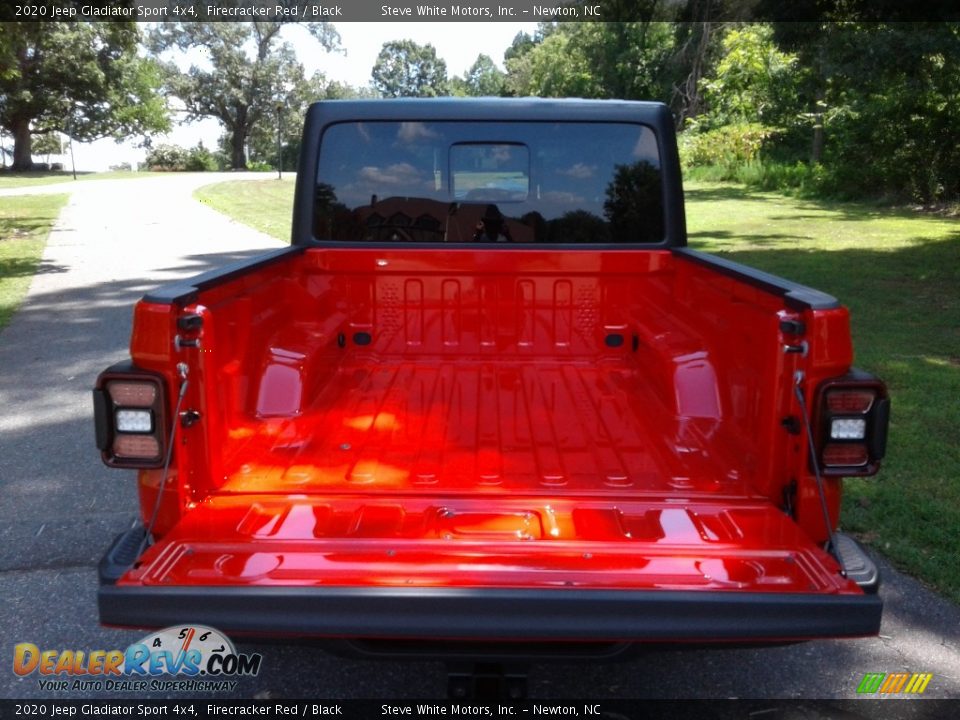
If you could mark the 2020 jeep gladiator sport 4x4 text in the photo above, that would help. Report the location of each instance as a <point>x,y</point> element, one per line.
<point>489,395</point>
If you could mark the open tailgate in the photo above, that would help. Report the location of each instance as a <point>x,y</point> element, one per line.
<point>490,568</point>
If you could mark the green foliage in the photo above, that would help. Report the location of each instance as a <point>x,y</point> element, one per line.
<point>892,115</point>
<point>166,157</point>
<point>251,71</point>
<point>82,79</point>
<point>593,60</point>
<point>25,223</point>
<point>49,144</point>
<point>752,82</point>
<point>859,110</point>
<point>726,146</point>
<point>199,159</point>
<point>799,179</point>
<point>407,69</point>
<point>482,79</point>
<point>173,158</point>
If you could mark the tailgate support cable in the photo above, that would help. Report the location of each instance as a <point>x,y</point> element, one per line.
<point>833,549</point>
<point>182,371</point>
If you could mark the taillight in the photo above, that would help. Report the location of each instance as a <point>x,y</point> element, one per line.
<point>854,413</point>
<point>130,416</point>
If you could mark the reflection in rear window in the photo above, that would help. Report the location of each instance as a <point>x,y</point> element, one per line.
<point>511,182</point>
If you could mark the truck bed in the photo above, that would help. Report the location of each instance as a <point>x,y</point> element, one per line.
<point>550,425</point>
<point>437,426</point>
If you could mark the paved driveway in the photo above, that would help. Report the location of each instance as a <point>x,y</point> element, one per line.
<point>59,507</point>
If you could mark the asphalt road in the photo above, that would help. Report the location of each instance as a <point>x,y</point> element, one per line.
<point>59,507</point>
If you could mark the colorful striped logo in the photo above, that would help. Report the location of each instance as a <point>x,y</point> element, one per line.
<point>891,683</point>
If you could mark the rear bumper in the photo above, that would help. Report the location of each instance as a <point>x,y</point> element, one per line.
<point>479,614</point>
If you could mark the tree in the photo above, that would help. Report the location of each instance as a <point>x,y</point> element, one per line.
<point>51,144</point>
<point>482,79</point>
<point>406,69</point>
<point>592,59</point>
<point>753,81</point>
<point>251,70</point>
<point>299,93</point>
<point>82,79</point>
<point>882,101</point>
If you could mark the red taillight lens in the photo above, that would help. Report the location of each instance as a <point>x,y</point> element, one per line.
<point>842,402</point>
<point>132,394</point>
<point>143,447</point>
<point>845,455</point>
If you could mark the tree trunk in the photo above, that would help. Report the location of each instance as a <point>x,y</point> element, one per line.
<point>239,129</point>
<point>816,147</point>
<point>22,145</point>
<point>238,158</point>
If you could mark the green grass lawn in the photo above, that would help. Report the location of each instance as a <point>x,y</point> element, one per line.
<point>24,226</point>
<point>897,271</point>
<point>29,179</point>
<point>266,205</point>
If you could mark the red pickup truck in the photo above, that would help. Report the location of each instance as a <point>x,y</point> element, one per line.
<point>488,396</point>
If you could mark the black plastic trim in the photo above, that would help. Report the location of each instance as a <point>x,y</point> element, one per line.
<point>796,296</point>
<point>496,614</point>
<point>101,419</point>
<point>121,555</point>
<point>185,291</point>
<point>881,425</point>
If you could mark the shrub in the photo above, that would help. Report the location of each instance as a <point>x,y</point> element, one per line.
<point>729,146</point>
<point>174,158</point>
<point>167,157</point>
<point>199,159</point>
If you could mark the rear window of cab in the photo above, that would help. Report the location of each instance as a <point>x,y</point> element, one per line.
<point>499,182</point>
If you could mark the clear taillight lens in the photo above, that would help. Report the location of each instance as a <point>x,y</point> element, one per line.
<point>133,421</point>
<point>848,428</point>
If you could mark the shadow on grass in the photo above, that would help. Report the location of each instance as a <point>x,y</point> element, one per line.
<point>20,227</point>
<point>28,267</point>
<point>752,238</point>
<point>825,209</point>
<point>714,193</point>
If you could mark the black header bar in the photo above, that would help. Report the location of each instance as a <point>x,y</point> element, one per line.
<point>130,708</point>
<point>470,10</point>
